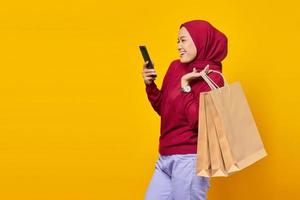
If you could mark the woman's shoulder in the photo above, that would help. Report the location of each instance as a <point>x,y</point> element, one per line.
<point>173,64</point>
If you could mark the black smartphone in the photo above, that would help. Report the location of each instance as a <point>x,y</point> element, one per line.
<point>146,57</point>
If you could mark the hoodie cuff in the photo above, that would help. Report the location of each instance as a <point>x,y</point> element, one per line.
<point>151,86</point>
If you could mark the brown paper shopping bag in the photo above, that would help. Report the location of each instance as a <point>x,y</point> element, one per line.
<point>203,158</point>
<point>212,162</point>
<point>210,157</point>
<point>238,138</point>
<point>224,146</point>
<point>216,157</point>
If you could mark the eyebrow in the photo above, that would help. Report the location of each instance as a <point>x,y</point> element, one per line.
<point>181,37</point>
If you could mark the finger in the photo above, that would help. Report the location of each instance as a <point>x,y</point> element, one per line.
<point>150,79</point>
<point>198,74</point>
<point>145,64</point>
<point>149,72</point>
<point>149,75</point>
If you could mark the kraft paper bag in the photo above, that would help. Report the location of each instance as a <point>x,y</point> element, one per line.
<point>211,163</point>
<point>216,157</point>
<point>239,142</point>
<point>223,141</point>
<point>203,167</point>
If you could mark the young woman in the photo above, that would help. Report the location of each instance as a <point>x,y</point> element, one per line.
<point>177,103</point>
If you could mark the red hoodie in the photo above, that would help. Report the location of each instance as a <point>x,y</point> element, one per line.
<point>178,110</point>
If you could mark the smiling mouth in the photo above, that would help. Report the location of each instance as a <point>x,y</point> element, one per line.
<point>182,53</point>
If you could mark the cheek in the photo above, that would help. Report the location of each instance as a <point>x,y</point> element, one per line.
<point>192,50</point>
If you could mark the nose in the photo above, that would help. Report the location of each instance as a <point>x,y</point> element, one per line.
<point>178,46</point>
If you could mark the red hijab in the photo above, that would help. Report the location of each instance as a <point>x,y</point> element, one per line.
<point>211,45</point>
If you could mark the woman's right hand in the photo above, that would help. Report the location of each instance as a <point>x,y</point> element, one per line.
<point>147,74</point>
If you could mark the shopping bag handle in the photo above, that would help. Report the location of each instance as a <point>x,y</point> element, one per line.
<point>208,80</point>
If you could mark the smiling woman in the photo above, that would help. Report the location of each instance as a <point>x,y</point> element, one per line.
<point>186,46</point>
<point>199,44</point>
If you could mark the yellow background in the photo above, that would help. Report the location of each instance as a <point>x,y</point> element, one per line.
<point>75,122</point>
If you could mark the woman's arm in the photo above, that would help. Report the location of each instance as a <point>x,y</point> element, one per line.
<point>191,99</point>
<point>154,96</point>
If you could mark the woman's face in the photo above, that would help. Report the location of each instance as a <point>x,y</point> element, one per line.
<point>186,46</point>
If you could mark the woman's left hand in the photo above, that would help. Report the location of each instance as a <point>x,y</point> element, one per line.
<point>185,79</point>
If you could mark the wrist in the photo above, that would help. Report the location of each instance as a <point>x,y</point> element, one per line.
<point>184,82</point>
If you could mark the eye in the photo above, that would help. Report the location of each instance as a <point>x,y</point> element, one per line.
<point>181,40</point>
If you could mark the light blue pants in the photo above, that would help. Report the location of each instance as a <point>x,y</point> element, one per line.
<point>175,178</point>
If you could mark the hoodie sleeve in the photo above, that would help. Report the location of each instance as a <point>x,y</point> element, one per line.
<point>154,95</point>
<point>191,99</point>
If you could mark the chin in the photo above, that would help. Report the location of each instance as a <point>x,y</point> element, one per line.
<point>184,60</point>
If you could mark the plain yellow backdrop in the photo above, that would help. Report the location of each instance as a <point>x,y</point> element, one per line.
<point>75,122</point>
